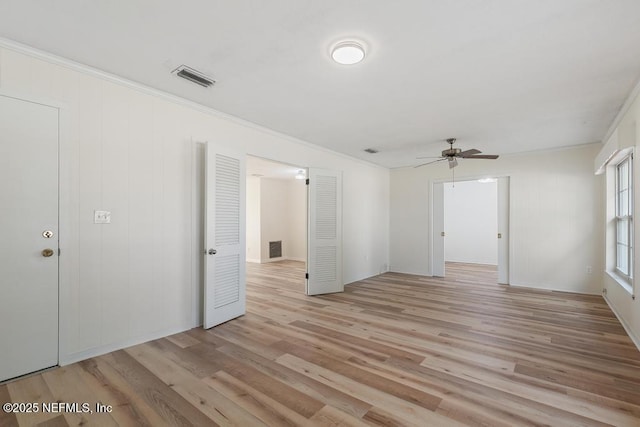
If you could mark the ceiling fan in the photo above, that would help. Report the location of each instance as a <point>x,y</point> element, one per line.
<point>453,154</point>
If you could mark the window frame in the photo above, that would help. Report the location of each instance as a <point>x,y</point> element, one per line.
<point>622,215</point>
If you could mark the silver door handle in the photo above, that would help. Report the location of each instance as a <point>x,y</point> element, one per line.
<point>212,252</point>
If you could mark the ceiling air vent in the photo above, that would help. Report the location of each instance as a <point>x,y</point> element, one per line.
<point>193,76</point>
<point>371,150</point>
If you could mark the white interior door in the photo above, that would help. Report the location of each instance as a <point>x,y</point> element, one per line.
<point>503,230</point>
<point>225,241</point>
<point>29,229</point>
<point>437,230</point>
<point>324,245</point>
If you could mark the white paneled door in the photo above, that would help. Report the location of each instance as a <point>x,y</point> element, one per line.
<point>503,230</point>
<point>29,230</point>
<point>324,254</point>
<point>225,242</point>
<point>437,231</point>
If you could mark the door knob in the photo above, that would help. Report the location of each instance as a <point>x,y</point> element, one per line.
<point>212,252</point>
<point>47,253</point>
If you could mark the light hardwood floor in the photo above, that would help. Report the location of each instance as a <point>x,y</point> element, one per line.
<point>394,349</point>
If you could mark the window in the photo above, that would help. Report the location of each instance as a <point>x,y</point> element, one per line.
<point>624,218</point>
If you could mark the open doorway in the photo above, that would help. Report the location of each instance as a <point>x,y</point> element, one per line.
<point>470,226</point>
<point>317,204</point>
<point>276,222</point>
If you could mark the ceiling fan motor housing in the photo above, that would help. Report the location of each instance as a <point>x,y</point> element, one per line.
<point>451,152</point>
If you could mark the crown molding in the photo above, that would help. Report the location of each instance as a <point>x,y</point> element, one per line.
<point>623,111</point>
<point>94,72</point>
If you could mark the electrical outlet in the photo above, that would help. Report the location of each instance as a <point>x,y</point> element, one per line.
<point>589,269</point>
<point>101,217</point>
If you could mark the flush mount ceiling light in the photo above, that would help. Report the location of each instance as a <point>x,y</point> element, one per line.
<point>300,174</point>
<point>486,180</point>
<point>347,53</point>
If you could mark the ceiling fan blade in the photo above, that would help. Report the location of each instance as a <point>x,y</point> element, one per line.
<point>453,162</point>
<point>468,153</point>
<point>428,163</point>
<point>430,157</point>
<point>483,156</point>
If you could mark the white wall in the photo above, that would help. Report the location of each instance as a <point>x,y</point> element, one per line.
<point>254,251</point>
<point>274,215</point>
<point>139,154</point>
<point>296,248</point>
<point>626,134</point>
<point>471,222</point>
<point>276,210</point>
<point>555,209</point>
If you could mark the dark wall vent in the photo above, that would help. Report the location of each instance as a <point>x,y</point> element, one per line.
<point>194,76</point>
<point>275,249</point>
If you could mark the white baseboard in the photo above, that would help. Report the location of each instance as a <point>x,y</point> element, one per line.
<point>624,324</point>
<point>254,260</point>
<point>99,351</point>
<point>552,288</point>
<point>283,258</point>
<point>471,262</point>
<point>393,269</point>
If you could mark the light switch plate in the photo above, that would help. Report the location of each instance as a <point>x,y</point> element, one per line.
<point>101,217</point>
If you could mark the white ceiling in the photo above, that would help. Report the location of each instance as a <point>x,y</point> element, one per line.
<point>262,168</point>
<point>502,76</point>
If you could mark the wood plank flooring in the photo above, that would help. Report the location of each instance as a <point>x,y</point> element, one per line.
<point>394,349</point>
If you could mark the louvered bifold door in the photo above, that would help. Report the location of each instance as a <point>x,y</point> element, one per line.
<point>324,263</point>
<point>225,284</point>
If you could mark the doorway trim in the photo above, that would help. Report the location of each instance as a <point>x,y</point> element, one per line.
<point>436,210</point>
